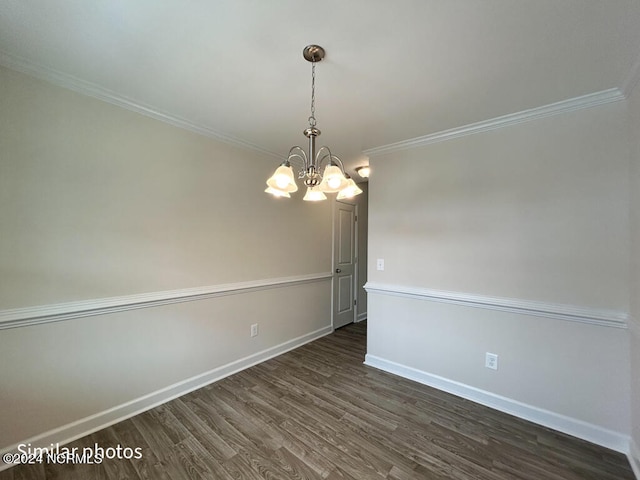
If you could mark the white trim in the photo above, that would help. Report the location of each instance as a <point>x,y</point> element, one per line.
<point>21,317</point>
<point>80,428</point>
<point>577,103</point>
<point>632,80</point>
<point>634,457</point>
<point>572,426</point>
<point>634,326</point>
<point>593,316</point>
<point>83,87</point>
<point>361,317</point>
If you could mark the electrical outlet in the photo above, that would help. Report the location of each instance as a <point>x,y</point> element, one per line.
<point>491,361</point>
<point>254,330</point>
<point>380,264</point>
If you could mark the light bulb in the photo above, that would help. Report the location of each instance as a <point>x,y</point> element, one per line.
<point>282,181</point>
<point>334,182</point>
<point>333,179</point>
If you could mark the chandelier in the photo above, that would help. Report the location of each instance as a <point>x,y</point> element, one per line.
<point>334,178</point>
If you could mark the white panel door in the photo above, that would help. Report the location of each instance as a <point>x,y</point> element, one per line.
<point>344,260</point>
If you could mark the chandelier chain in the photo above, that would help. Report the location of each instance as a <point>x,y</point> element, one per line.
<point>312,118</point>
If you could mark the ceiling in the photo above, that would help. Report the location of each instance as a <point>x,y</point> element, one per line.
<point>394,70</point>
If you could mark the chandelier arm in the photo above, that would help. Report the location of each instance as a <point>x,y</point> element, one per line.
<point>324,157</point>
<point>340,164</point>
<point>319,159</point>
<point>301,154</point>
<point>296,155</point>
<point>334,159</point>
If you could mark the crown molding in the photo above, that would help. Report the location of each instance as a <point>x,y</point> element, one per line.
<point>22,317</point>
<point>585,101</point>
<point>89,89</point>
<point>83,87</point>
<point>588,315</point>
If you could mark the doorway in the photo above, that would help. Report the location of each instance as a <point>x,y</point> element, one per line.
<point>345,259</point>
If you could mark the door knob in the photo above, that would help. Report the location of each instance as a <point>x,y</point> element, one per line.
<point>338,270</point>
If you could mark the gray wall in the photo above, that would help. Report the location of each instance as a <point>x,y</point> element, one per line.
<point>97,203</point>
<point>533,214</point>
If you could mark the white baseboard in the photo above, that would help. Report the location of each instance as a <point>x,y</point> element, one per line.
<point>85,426</point>
<point>634,457</point>
<point>571,426</point>
<point>361,317</point>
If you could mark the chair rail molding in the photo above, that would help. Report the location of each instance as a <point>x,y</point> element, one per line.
<point>22,317</point>
<point>593,316</point>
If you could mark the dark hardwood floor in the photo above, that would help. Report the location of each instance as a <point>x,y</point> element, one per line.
<point>318,412</point>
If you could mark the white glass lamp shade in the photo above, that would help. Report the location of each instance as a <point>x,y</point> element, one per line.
<point>277,193</point>
<point>332,180</point>
<point>283,180</point>
<point>351,190</point>
<point>314,195</point>
<point>364,172</point>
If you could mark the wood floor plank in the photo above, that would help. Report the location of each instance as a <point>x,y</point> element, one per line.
<point>210,440</point>
<point>29,472</point>
<point>202,460</point>
<point>149,467</point>
<point>345,457</point>
<point>296,466</point>
<point>318,413</point>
